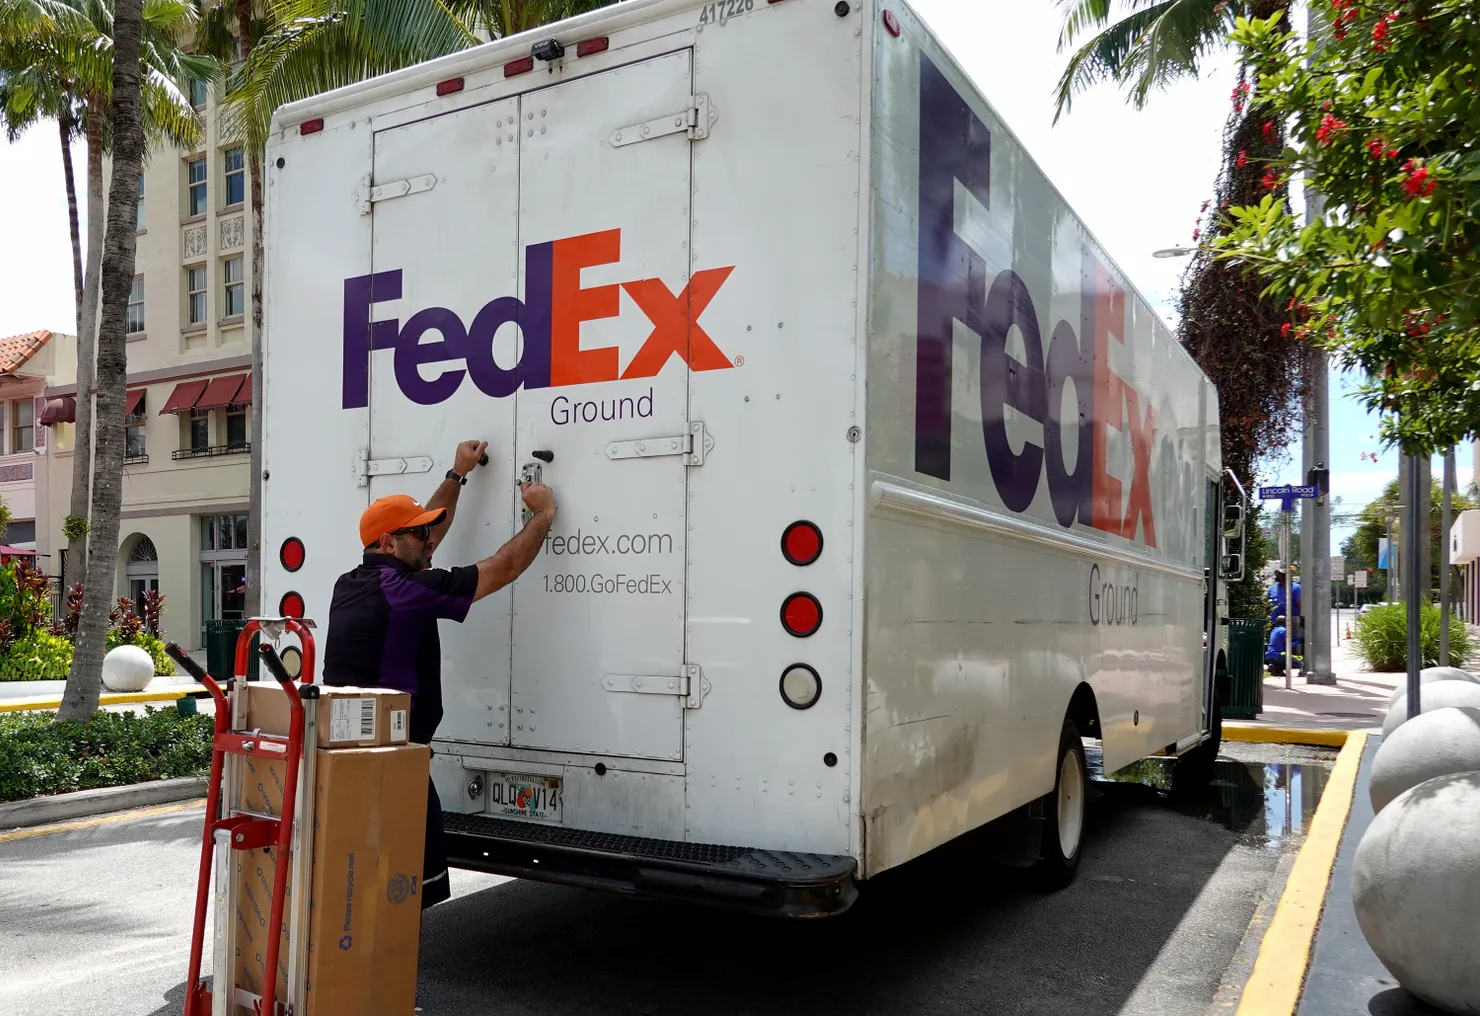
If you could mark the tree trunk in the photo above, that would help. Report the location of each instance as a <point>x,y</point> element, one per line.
<point>82,449</point>
<point>254,482</point>
<point>64,128</point>
<point>84,683</point>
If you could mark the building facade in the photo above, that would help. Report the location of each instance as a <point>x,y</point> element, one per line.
<point>28,364</point>
<point>184,521</point>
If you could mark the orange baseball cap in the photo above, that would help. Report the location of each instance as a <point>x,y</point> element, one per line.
<point>399,511</point>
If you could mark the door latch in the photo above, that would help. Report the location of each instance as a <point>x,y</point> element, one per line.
<point>693,446</point>
<point>694,121</point>
<point>691,685</point>
<point>366,467</point>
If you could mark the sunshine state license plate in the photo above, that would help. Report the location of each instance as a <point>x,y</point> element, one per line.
<point>515,795</point>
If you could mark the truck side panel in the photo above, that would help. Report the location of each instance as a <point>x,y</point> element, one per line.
<point>776,195</point>
<point>1035,456</point>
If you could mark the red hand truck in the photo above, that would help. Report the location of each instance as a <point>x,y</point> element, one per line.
<point>228,828</point>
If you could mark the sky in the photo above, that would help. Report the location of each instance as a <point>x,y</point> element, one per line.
<point>1137,179</point>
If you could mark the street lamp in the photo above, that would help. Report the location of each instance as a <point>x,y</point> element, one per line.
<point>1171,252</point>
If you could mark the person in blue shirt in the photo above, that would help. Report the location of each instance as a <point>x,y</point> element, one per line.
<point>1276,596</point>
<point>1274,652</point>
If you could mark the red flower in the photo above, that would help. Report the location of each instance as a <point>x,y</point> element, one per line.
<point>1375,147</point>
<point>1392,153</point>
<point>1420,183</point>
<point>1329,126</point>
<point>1196,233</point>
<point>1240,91</point>
<point>1271,179</point>
<point>1243,159</point>
<point>1285,330</point>
<point>1269,130</point>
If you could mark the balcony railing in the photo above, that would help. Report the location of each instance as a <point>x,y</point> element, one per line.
<point>141,459</point>
<point>211,451</point>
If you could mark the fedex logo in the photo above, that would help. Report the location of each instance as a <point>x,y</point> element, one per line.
<point>549,317</point>
<point>955,147</point>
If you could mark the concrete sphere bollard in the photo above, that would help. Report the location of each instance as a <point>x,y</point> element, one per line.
<point>1416,890</point>
<point>127,668</point>
<point>1431,674</point>
<point>1436,743</point>
<point>1434,696</point>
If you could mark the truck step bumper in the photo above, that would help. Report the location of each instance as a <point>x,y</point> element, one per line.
<point>771,882</point>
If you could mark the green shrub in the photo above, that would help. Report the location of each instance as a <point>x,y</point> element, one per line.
<point>39,656</point>
<point>40,756</point>
<point>1381,637</point>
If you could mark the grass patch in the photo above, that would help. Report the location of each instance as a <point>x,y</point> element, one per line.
<point>39,756</point>
<point>1381,637</point>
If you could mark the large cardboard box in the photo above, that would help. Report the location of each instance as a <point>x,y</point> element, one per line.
<point>348,717</point>
<point>365,909</point>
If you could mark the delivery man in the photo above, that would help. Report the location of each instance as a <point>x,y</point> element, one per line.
<point>383,618</point>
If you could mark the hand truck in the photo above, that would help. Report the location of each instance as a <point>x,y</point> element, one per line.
<point>229,828</point>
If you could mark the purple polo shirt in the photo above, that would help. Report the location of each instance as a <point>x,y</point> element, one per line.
<point>383,631</point>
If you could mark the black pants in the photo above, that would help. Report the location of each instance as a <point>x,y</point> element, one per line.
<point>434,887</point>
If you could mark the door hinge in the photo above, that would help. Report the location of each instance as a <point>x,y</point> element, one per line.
<point>693,446</point>
<point>691,685</point>
<point>370,194</point>
<point>694,120</point>
<point>366,467</point>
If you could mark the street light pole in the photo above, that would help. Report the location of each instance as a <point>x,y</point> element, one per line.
<point>1444,583</point>
<point>1413,535</point>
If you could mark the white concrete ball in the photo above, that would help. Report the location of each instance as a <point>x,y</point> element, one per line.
<point>1416,890</point>
<point>1431,674</point>
<point>1434,696</point>
<point>127,668</point>
<point>1436,743</point>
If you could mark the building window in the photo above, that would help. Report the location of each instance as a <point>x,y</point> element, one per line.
<point>236,176</point>
<point>22,431</point>
<point>232,274</point>
<point>236,427</point>
<point>199,89</point>
<point>195,287</point>
<point>223,557</point>
<point>196,181</point>
<point>200,430</point>
<point>139,212</point>
<point>136,307</point>
<point>134,449</point>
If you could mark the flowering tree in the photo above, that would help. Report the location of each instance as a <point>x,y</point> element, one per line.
<point>1383,119</point>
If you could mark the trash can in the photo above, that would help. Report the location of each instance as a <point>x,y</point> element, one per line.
<point>221,636</point>
<point>1245,668</point>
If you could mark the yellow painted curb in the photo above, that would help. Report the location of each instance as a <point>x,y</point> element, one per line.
<point>1269,734</point>
<point>88,823</point>
<point>1279,970</point>
<point>110,699</point>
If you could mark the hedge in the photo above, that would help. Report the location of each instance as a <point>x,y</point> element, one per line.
<point>42,656</point>
<point>1381,637</point>
<point>40,756</point>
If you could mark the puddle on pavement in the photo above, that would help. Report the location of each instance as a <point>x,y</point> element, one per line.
<point>1270,804</point>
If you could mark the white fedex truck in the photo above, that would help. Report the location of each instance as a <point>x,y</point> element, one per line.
<point>880,488</point>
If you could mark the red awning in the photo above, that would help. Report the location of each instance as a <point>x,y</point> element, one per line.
<point>244,397</point>
<point>184,397</point>
<point>59,410</point>
<point>133,402</point>
<point>221,392</point>
<point>7,551</point>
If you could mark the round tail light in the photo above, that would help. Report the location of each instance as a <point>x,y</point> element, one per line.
<point>801,687</point>
<point>291,605</point>
<point>291,553</point>
<point>801,544</point>
<point>801,615</point>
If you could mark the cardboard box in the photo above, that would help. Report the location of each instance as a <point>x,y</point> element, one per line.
<point>365,910</point>
<point>348,717</point>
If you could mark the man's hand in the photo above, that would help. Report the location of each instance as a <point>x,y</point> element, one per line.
<point>537,497</point>
<point>467,457</point>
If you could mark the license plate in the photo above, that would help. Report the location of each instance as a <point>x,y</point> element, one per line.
<point>515,795</point>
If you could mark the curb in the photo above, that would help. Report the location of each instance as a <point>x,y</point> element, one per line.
<point>1264,733</point>
<point>108,699</point>
<point>1274,985</point>
<point>60,807</point>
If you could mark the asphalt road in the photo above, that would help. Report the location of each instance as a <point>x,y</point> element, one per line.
<point>95,919</point>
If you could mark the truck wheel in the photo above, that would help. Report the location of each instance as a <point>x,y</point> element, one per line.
<point>1063,815</point>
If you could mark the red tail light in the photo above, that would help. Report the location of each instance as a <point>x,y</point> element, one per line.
<point>518,66</point>
<point>592,46</point>
<point>891,23</point>
<point>291,605</point>
<point>311,126</point>
<point>449,86</point>
<point>291,554</point>
<point>801,544</point>
<point>801,615</point>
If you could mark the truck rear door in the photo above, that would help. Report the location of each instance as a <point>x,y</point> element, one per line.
<point>598,626</point>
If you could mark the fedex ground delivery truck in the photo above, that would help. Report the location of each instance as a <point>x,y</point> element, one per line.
<point>881,491</point>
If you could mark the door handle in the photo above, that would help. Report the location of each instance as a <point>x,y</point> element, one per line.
<point>531,473</point>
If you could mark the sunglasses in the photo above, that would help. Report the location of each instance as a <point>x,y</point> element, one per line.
<point>422,533</point>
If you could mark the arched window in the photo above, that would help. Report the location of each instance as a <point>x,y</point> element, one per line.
<point>141,569</point>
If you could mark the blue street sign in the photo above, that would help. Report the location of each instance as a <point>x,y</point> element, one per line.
<point>1288,493</point>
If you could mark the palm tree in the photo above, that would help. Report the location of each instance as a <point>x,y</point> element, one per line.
<point>126,116</point>
<point>56,59</point>
<point>286,50</point>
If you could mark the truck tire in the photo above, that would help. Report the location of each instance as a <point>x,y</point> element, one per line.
<point>1063,815</point>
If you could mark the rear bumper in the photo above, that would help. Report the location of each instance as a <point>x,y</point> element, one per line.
<point>774,883</point>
